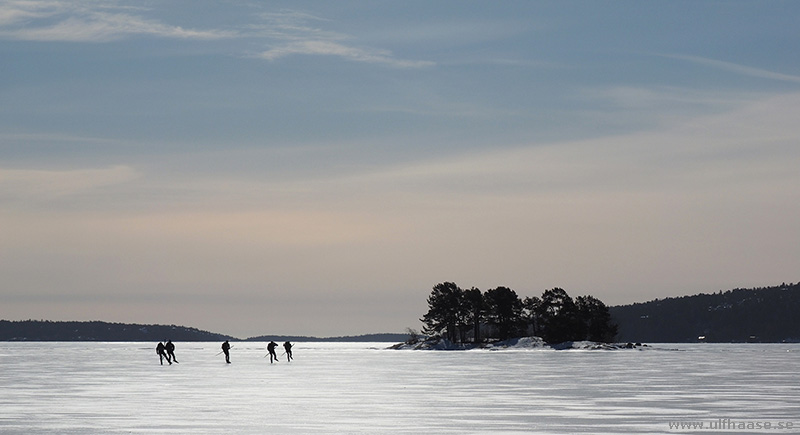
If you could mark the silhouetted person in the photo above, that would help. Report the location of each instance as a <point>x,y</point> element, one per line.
<point>271,349</point>
<point>226,348</point>
<point>161,351</point>
<point>170,350</point>
<point>288,347</point>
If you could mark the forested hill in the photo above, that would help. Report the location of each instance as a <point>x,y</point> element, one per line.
<point>43,330</point>
<point>765,315</point>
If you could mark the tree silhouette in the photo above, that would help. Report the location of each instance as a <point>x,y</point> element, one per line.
<point>444,304</point>
<point>474,304</point>
<point>594,319</point>
<point>504,311</point>
<point>531,314</point>
<point>559,316</point>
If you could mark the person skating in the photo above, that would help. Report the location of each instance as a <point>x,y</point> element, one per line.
<point>288,347</point>
<point>161,351</point>
<point>226,349</point>
<point>170,348</point>
<point>271,349</point>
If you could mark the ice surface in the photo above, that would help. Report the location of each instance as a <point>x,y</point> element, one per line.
<point>88,388</point>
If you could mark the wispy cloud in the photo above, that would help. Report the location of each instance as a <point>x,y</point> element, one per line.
<point>333,48</point>
<point>13,12</point>
<point>86,22</point>
<point>285,33</point>
<point>735,68</point>
<point>295,35</point>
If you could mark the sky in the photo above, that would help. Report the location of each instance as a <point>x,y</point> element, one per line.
<point>315,168</point>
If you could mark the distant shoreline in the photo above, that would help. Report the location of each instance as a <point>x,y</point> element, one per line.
<point>46,330</point>
<point>758,315</point>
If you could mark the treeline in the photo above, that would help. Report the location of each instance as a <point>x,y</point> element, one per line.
<point>45,330</point>
<point>766,314</point>
<point>474,316</point>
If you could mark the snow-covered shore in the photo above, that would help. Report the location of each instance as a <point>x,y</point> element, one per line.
<point>514,343</point>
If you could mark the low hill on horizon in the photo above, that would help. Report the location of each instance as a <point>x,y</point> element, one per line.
<point>760,315</point>
<point>46,330</point>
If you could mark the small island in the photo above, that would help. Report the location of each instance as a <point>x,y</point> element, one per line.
<point>466,319</point>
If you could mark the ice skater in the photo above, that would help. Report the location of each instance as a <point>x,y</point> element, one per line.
<point>226,349</point>
<point>271,349</point>
<point>162,353</point>
<point>170,348</point>
<point>288,347</point>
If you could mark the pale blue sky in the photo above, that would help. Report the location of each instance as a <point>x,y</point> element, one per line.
<point>316,167</point>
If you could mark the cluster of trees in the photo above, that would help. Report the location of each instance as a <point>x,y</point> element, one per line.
<point>471,315</point>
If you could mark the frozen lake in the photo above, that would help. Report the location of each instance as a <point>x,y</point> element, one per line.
<point>88,388</point>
